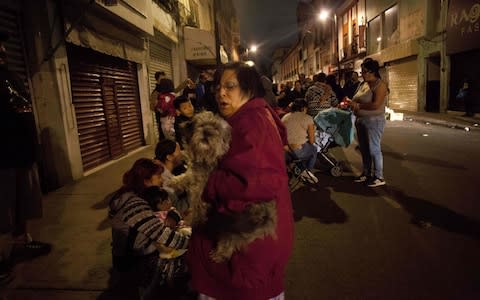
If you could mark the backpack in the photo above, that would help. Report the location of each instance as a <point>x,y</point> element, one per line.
<point>165,104</point>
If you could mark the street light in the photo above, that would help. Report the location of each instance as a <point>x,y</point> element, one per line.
<point>323,16</point>
<point>253,48</point>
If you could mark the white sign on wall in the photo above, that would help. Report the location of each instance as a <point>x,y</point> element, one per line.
<point>199,44</point>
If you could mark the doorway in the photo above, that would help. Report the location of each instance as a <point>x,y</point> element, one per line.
<point>433,84</point>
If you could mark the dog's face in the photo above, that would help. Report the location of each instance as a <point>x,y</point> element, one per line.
<point>207,138</point>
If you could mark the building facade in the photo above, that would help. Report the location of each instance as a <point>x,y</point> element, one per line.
<point>425,48</point>
<point>89,67</point>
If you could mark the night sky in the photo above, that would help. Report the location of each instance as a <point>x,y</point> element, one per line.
<point>267,23</point>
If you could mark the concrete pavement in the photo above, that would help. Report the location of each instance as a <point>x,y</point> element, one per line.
<point>452,119</point>
<point>75,222</point>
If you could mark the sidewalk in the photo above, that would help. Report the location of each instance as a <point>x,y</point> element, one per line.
<point>452,119</point>
<point>75,222</point>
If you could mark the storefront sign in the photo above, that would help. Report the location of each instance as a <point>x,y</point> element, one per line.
<point>463,26</point>
<point>199,44</point>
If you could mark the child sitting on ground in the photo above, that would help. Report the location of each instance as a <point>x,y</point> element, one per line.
<point>184,108</point>
<point>171,265</point>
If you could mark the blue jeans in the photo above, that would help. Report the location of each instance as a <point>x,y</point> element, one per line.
<point>307,153</point>
<point>369,134</point>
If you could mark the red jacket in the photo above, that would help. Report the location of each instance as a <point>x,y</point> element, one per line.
<point>252,171</point>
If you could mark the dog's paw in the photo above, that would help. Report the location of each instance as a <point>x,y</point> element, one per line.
<point>179,182</point>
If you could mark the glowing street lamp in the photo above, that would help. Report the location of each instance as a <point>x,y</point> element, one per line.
<point>253,48</point>
<point>323,15</point>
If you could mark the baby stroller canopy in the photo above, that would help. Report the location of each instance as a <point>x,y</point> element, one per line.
<point>338,123</point>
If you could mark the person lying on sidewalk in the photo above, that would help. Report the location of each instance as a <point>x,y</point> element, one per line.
<point>137,233</point>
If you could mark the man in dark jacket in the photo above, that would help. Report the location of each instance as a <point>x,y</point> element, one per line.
<point>20,195</point>
<point>351,84</point>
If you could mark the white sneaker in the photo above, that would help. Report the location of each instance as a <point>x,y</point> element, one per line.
<point>376,182</point>
<point>308,176</point>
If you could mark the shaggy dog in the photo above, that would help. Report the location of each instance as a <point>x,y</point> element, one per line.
<point>207,140</point>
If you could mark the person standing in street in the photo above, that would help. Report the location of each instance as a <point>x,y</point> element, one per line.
<point>465,93</point>
<point>351,84</point>
<point>248,196</point>
<point>20,194</point>
<point>368,104</point>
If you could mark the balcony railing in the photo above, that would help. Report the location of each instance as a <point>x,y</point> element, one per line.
<point>187,16</point>
<point>171,7</point>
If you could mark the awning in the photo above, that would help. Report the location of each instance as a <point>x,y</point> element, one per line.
<point>199,46</point>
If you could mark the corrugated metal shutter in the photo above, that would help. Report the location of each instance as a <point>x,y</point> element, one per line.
<point>10,22</point>
<point>403,84</point>
<point>107,105</point>
<point>160,60</point>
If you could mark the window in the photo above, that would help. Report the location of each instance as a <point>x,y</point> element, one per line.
<point>390,32</point>
<point>383,30</point>
<point>374,35</point>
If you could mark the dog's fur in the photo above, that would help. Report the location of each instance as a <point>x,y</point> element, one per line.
<point>207,139</point>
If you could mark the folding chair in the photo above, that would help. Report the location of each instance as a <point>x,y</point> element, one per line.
<point>297,170</point>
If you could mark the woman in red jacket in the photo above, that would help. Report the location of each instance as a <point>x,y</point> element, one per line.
<point>248,195</point>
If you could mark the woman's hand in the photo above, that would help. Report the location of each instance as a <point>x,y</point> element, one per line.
<point>345,103</point>
<point>355,106</point>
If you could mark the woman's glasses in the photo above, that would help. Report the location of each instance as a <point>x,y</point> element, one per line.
<point>228,86</point>
<point>366,72</point>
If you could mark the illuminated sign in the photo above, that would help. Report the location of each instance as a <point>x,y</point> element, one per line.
<point>463,26</point>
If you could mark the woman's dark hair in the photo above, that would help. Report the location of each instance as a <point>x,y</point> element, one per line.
<point>247,76</point>
<point>134,179</point>
<point>319,77</point>
<point>371,65</point>
<point>331,80</point>
<point>164,148</point>
<point>298,104</point>
<point>158,74</point>
<point>165,86</point>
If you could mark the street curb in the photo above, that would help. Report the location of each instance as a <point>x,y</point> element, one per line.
<point>445,123</point>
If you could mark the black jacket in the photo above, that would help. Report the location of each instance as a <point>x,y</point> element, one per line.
<point>18,133</point>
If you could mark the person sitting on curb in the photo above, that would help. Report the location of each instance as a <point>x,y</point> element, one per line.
<point>169,155</point>
<point>301,136</point>
<point>137,233</point>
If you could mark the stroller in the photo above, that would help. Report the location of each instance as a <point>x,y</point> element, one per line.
<point>335,127</point>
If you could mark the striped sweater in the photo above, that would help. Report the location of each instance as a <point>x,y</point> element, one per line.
<point>130,213</point>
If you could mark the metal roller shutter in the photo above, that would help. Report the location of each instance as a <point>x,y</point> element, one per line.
<point>160,60</point>
<point>107,105</point>
<point>403,84</point>
<point>10,22</point>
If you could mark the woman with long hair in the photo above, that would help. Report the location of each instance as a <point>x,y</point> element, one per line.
<point>136,231</point>
<point>368,104</point>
